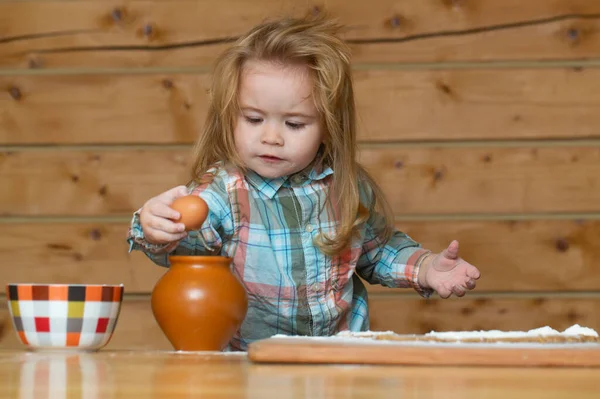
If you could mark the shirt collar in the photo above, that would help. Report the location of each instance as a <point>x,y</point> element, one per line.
<point>269,187</point>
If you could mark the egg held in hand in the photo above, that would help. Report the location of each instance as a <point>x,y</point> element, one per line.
<point>192,210</point>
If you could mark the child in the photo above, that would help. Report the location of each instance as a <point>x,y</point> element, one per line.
<point>288,201</point>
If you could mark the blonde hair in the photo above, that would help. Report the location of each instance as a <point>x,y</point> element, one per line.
<point>313,42</point>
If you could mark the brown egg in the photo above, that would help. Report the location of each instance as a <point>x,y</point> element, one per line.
<point>192,209</point>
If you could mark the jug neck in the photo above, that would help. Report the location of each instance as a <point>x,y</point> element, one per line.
<point>199,261</point>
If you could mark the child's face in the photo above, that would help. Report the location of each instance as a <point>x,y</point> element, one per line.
<point>278,131</point>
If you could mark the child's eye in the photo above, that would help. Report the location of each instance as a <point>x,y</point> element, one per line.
<point>252,120</point>
<point>295,126</point>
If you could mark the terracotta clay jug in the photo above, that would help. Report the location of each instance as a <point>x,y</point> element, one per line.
<point>199,303</point>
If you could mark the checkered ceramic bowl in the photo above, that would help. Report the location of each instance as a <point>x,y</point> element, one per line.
<point>64,316</point>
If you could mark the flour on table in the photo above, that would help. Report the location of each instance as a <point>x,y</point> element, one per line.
<point>546,334</point>
<point>538,332</point>
<point>578,330</point>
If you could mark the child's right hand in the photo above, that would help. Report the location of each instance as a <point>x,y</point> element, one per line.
<point>158,220</point>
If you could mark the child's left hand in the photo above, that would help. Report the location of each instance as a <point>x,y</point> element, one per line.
<point>447,273</point>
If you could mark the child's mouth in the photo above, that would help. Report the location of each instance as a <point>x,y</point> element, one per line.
<point>270,158</point>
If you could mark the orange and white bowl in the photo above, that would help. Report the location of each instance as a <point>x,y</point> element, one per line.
<point>64,316</point>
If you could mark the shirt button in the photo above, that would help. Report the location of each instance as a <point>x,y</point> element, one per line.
<point>315,287</point>
<point>309,228</point>
<point>298,179</point>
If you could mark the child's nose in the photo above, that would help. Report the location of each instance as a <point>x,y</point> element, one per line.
<point>271,136</point>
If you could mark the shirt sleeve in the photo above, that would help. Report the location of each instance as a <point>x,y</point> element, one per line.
<point>208,240</point>
<point>393,263</point>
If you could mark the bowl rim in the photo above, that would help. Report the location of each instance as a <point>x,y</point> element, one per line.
<point>65,285</point>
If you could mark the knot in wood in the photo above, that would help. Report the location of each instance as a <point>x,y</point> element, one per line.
<point>573,316</point>
<point>167,83</point>
<point>15,93</point>
<point>453,3</point>
<point>398,164</point>
<point>562,245</point>
<point>117,14</point>
<point>95,234</point>
<point>538,301</point>
<point>438,174</point>
<point>34,63</point>
<point>573,34</point>
<point>395,21</point>
<point>148,30</point>
<point>444,88</point>
<point>316,10</point>
<point>467,311</point>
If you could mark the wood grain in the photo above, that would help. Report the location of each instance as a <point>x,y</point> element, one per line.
<point>411,105</point>
<point>71,182</point>
<point>74,253</point>
<point>415,316</point>
<point>52,34</point>
<point>102,109</point>
<point>160,374</point>
<point>487,180</point>
<point>517,256</point>
<point>416,180</point>
<point>316,351</point>
<point>137,329</point>
<point>513,256</point>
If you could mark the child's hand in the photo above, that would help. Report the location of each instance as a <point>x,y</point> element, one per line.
<point>158,219</point>
<point>447,273</point>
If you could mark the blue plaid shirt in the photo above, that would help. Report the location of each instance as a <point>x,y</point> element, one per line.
<point>267,227</point>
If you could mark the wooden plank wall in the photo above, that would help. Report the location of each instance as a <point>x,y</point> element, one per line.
<point>479,117</point>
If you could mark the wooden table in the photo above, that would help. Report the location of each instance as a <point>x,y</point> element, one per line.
<point>129,374</point>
